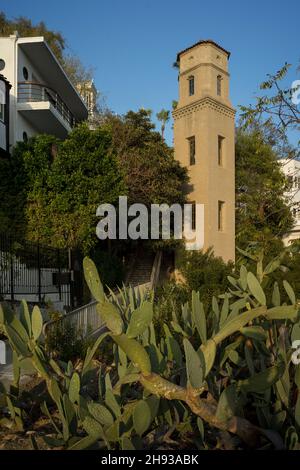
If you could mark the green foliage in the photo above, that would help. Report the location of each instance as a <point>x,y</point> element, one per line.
<point>228,365</point>
<point>26,28</point>
<point>53,188</point>
<point>163,116</point>
<point>275,111</point>
<point>72,65</point>
<point>65,342</point>
<point>204,273</point>
<point>63,183</point>
<point>262,211</point>
<point>151,173</point>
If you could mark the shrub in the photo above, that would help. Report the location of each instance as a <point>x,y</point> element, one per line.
<point>205,273</point>
<point>226,369</point>
<point>66,342</point>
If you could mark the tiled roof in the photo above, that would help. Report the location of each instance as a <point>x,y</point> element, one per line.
<point>204,41</point>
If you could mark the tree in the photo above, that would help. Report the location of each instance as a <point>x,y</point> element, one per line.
<point>277,111</point>
<point>262,210</point>
<point>163,116</point>
<point>72,65</point>
<point>205,273</point>
<point>151,173</point>
<point>64,188</point>
<point>61,184</point>
<point>25,28</point>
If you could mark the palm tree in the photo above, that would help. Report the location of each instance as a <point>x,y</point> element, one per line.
<point>163,116</point>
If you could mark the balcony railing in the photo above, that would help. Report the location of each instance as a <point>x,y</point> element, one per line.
<point>35,92</point>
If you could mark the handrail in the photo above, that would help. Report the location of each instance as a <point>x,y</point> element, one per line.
<point>40,84</point>
<point>34,91</point>
<point>86,320</point>
<point>155,270</point>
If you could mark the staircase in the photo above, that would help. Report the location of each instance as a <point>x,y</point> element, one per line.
<point>144,272</point>
<point>140,270</point>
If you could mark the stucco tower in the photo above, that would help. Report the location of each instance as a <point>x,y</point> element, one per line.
<point>204,140</point>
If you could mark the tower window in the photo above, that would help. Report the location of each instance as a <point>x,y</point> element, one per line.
<point>193,215</point>
<point>221,215</point>
<point>192,149</point>
<point>219,85</point>
<point>191,85</point>
<point>25,137</point>
<point>220,150</point>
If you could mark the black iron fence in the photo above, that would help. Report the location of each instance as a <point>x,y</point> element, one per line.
<point>39,273</point>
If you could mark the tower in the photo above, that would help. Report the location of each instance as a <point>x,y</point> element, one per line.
<point>89,94</point>
<point>204,140</point>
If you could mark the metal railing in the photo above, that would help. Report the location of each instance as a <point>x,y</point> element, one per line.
<point>33,272</point>
<point>155,270</point>
<point>85,319</point>
<point>29,92</point>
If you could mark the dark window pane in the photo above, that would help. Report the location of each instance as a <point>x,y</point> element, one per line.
<point>192,149</point>
<point>219,85</point>
<point>193,216</point>
<point>220,215</point>
<point>191,86</point>
<point>220,150</point>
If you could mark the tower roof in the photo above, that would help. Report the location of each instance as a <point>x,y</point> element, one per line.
<point>203,41</point>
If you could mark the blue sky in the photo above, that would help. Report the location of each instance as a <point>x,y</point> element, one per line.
<point>132,44</point>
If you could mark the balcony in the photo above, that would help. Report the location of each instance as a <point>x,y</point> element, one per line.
<point>44,109</point>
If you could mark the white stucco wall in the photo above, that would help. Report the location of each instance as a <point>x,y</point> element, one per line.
<point>2,135</point>
<point>15,60</point>
<point>291,168</point>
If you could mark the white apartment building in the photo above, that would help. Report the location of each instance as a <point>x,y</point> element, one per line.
<point>291,169</point>
<point>42,98</point>
<point>4,114</point>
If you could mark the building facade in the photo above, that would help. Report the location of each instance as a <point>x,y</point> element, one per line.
<point>291,168</point>
<point>4,114</point>
<point>204,140</point>
<point>42,98</point>
<point>89,94</point>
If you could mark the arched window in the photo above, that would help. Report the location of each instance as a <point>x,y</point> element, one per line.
<point>191,85</point>
<point>219,85</point>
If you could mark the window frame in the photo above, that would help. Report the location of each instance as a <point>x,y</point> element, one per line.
<point>221,140</point>
<point>193,221</point>
<point>221,206</point>
<point>2,112</point>
<point>191,80</point>
<point>192,146</point>
<point>219,85</point>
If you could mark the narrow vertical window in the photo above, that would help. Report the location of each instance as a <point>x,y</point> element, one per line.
<point>221,215</point>
<point>219,85</point>
<point>193,215</point>
<point>191,85</point>
<point>220,150</point>
<point>192,150</point>
<point>2,112</point>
